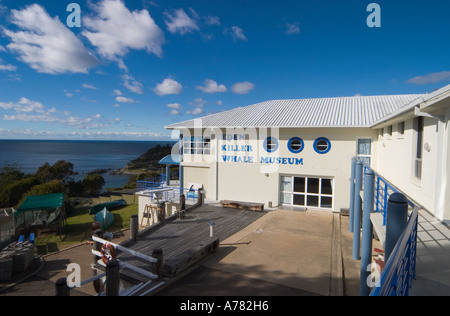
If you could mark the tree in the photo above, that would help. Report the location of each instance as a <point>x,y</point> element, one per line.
<point>11,194</point>
<point>10,174</point>
<point>54,186</point>
<point>93,184</point>
<point>59,171</point>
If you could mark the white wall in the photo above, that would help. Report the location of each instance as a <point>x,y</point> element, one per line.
<point>395,161</point>
<point>256,182</point>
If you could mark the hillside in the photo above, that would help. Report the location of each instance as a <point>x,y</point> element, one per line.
<point>147,161</point>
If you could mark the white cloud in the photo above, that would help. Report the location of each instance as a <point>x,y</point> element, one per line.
<point>32,111</point>
<point>117,92</point>
<point>89,86</point>
<point>175,106</point>
<point>212,20</point>
<point>198,105</point>
<point>292,28</point>
<point>242,87</point>
<point>237,33</point>
<point>68,93</point>
<point>46,45</point>
<point>211,87</point>
<point>115,30</point>
<point>7,67</point>
<point>24,105</point>
<point>430,78</point>
<point>124,100</point>
<point>131,84</point>
<point>180,22</point>
<point>168,86</point>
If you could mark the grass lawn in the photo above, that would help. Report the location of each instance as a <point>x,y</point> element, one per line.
<point>79,229</point>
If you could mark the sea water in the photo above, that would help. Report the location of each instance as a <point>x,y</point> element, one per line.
<point>85,156</point>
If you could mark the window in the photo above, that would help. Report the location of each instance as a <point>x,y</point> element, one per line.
<point>418,128</point>
<point>296,145</point>
<point>389,130</point>
<point>381,133</point>
<point>364,150</point>
<point>270,144</point>
<point>401,128</point>
<point>196,145</point>
<point>307,191</point>
<point>322,145</point>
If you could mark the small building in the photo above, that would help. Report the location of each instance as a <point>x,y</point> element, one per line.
<point>298,152</point>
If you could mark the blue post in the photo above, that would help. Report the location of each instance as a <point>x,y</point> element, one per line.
<point>352,195</point>
<point>168,175</point>
<point>396,221</point>
<point>357,211</point>
<point>366,246</point>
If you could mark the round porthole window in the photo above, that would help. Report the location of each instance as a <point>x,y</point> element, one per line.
<point>270,144</point>
<point>296,145</point>
<point>322,145</point>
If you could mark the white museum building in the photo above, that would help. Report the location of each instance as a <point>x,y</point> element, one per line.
<point>299,152</point>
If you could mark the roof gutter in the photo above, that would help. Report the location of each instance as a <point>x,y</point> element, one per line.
<point>418,105</point>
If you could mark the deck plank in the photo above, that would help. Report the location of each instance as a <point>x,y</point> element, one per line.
<point>191,235</point>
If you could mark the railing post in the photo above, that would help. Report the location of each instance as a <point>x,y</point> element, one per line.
<point>97,247</point>
<point>158,267</point>
<point>134,226</point>
<point>366,247</point>
<point>61,287</point>
<point>357,211</point>
<point>200,197</point>
<point>182,202</point>
<point>352,194</point>
<point>112,278</point>
<point>396,221</point>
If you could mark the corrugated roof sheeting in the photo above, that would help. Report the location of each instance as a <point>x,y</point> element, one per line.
<point>357,111</point>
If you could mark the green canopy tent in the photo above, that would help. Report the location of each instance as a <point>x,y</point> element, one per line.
<point>39,211</point>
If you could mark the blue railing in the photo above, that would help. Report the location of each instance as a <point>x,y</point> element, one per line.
<point>172,194</point>
<point>383,190</point>
<point>151,184</point>
<point>399,271</point>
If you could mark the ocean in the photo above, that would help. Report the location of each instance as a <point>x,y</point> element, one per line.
<point>84,155</point>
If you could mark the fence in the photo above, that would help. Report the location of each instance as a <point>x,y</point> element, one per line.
<point>7,227</point>
<point>172,194</point>
<point>151,184</point>
<point>401,233</point>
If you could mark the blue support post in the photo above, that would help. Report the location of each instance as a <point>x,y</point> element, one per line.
<point>352,194</point>
<point>168,175</point>
<point>366,246</point>
<point>396,221</point>
<point>357,211</point>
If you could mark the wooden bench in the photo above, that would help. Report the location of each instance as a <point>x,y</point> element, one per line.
<point>243,205</point>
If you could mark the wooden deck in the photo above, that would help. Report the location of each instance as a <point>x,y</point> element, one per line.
<point>185,242</point>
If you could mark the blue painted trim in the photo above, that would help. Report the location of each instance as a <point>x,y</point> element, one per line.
<point>322,139</point>
<point>265,144</point>
<point>294,139</point>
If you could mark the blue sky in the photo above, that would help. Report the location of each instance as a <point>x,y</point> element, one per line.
<point>135,66</point>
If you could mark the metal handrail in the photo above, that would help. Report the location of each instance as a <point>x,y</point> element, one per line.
<point>399,270</point>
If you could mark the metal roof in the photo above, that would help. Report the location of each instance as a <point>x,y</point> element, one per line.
<point>356,111</point>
